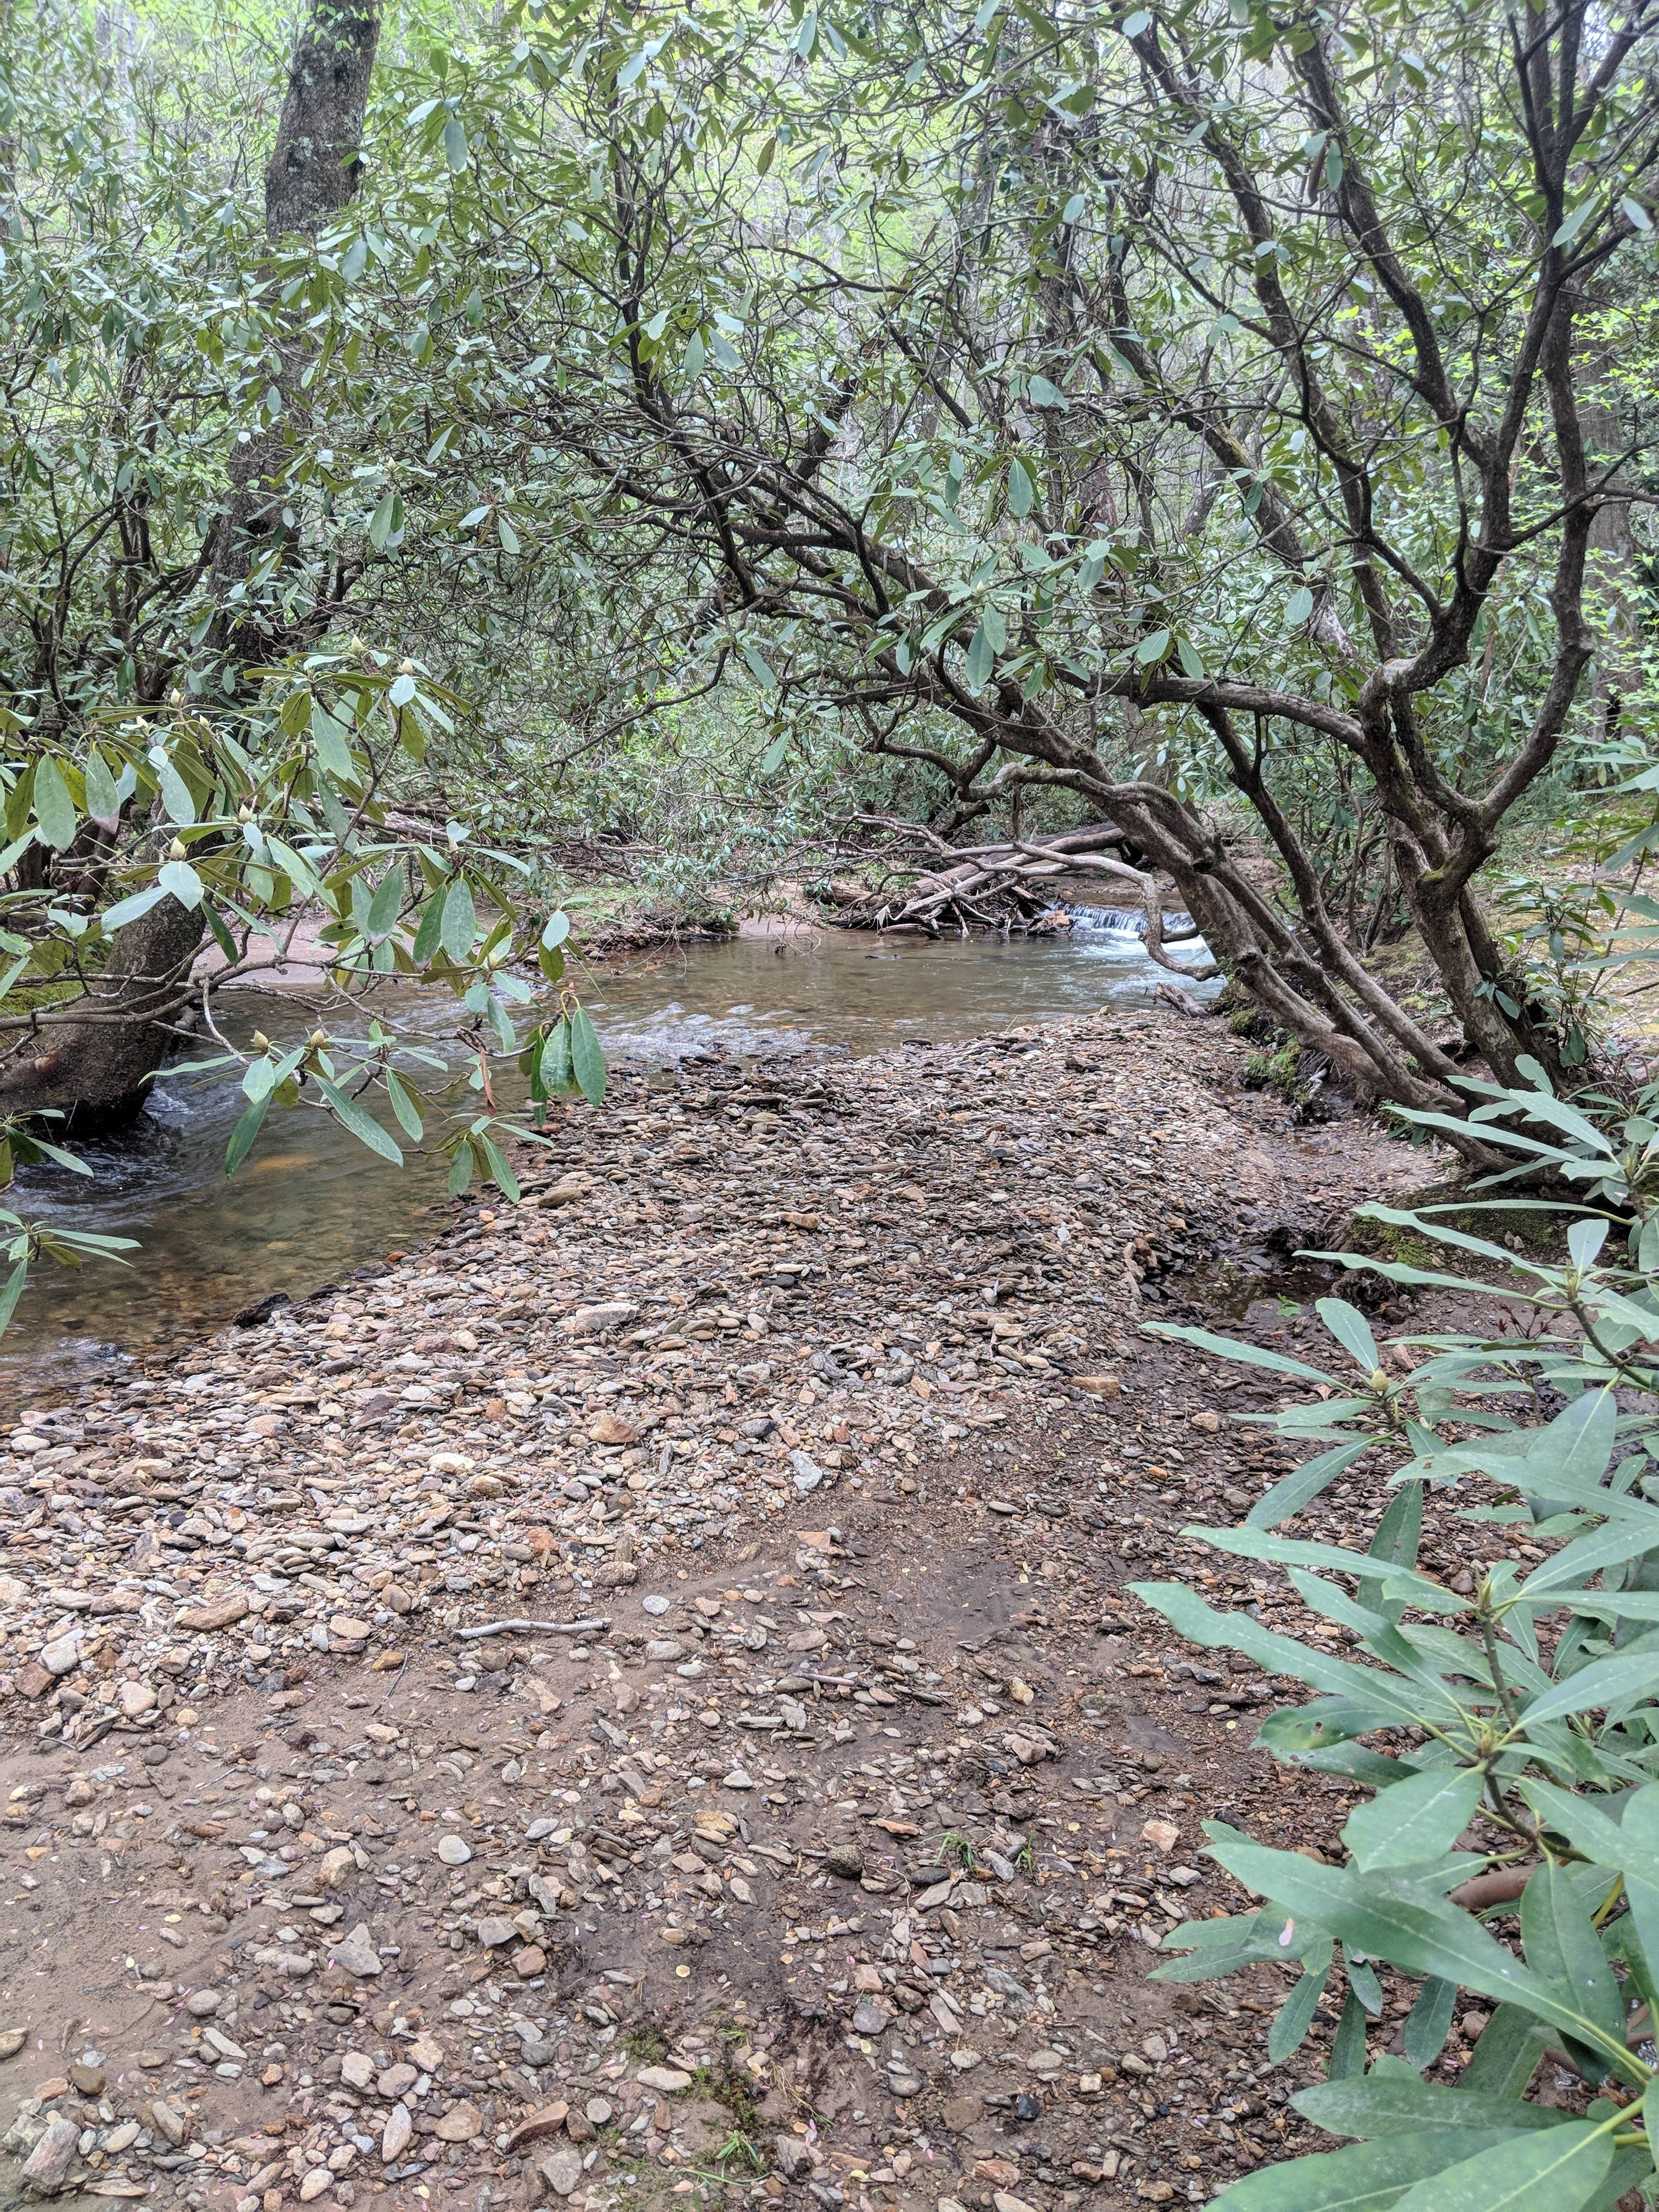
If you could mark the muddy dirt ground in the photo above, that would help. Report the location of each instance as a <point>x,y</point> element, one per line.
<point>829,1863</point>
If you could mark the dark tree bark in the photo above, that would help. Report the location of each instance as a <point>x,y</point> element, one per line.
<point>312,175</point>
<point>313,172</point>
<point>95,1062</point>
<point>95,1070</point>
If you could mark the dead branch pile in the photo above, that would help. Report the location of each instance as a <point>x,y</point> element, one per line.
<point>1003,886</point>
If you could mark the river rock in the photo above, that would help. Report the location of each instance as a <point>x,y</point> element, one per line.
<point>46,2169</point>
<point>566,1191</point>
<point>170,2121</point>
<point>460,2125</point>
<point>12,2040</point>
<point>546,2120</point>
<point>336,1868</point>
<point>221,1613</point>
<point>453,1851</point>
<point>808,1474</point>
<point>793,2158</point>
<point>356,1955</point>
<point>394,2136</point>
<point>560,2171</point>
<point>597,1320</point>
<point>63,1655</point>
<point>611,1429</point>
<point>287,1959</point>
<point>665,2079</point>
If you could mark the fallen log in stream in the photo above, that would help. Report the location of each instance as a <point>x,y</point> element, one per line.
<point>999,885</point>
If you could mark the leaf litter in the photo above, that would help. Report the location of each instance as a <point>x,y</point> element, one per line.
<point>636,1701</point>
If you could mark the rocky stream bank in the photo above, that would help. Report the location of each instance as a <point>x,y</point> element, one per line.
<point>636,1703</point>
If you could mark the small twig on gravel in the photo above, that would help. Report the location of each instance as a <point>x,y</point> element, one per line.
<point>393,1683</point>
<point>546,1627</point>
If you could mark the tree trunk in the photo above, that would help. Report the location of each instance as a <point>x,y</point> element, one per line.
<point>312,175</point>
<point>95,1060</point>
<point>96,1068</point>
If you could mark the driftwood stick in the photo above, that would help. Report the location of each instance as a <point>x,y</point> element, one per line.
<point>1090,837</point>
<point>953,882</point>
<point>1096,862</point>
<point>542,1627</point>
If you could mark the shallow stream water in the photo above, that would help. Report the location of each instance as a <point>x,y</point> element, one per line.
<point>311,1203</point>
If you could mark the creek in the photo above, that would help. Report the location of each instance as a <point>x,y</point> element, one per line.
<point>310,1204</point>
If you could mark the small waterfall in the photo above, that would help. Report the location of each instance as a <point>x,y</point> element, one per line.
<point>1122,921</point>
